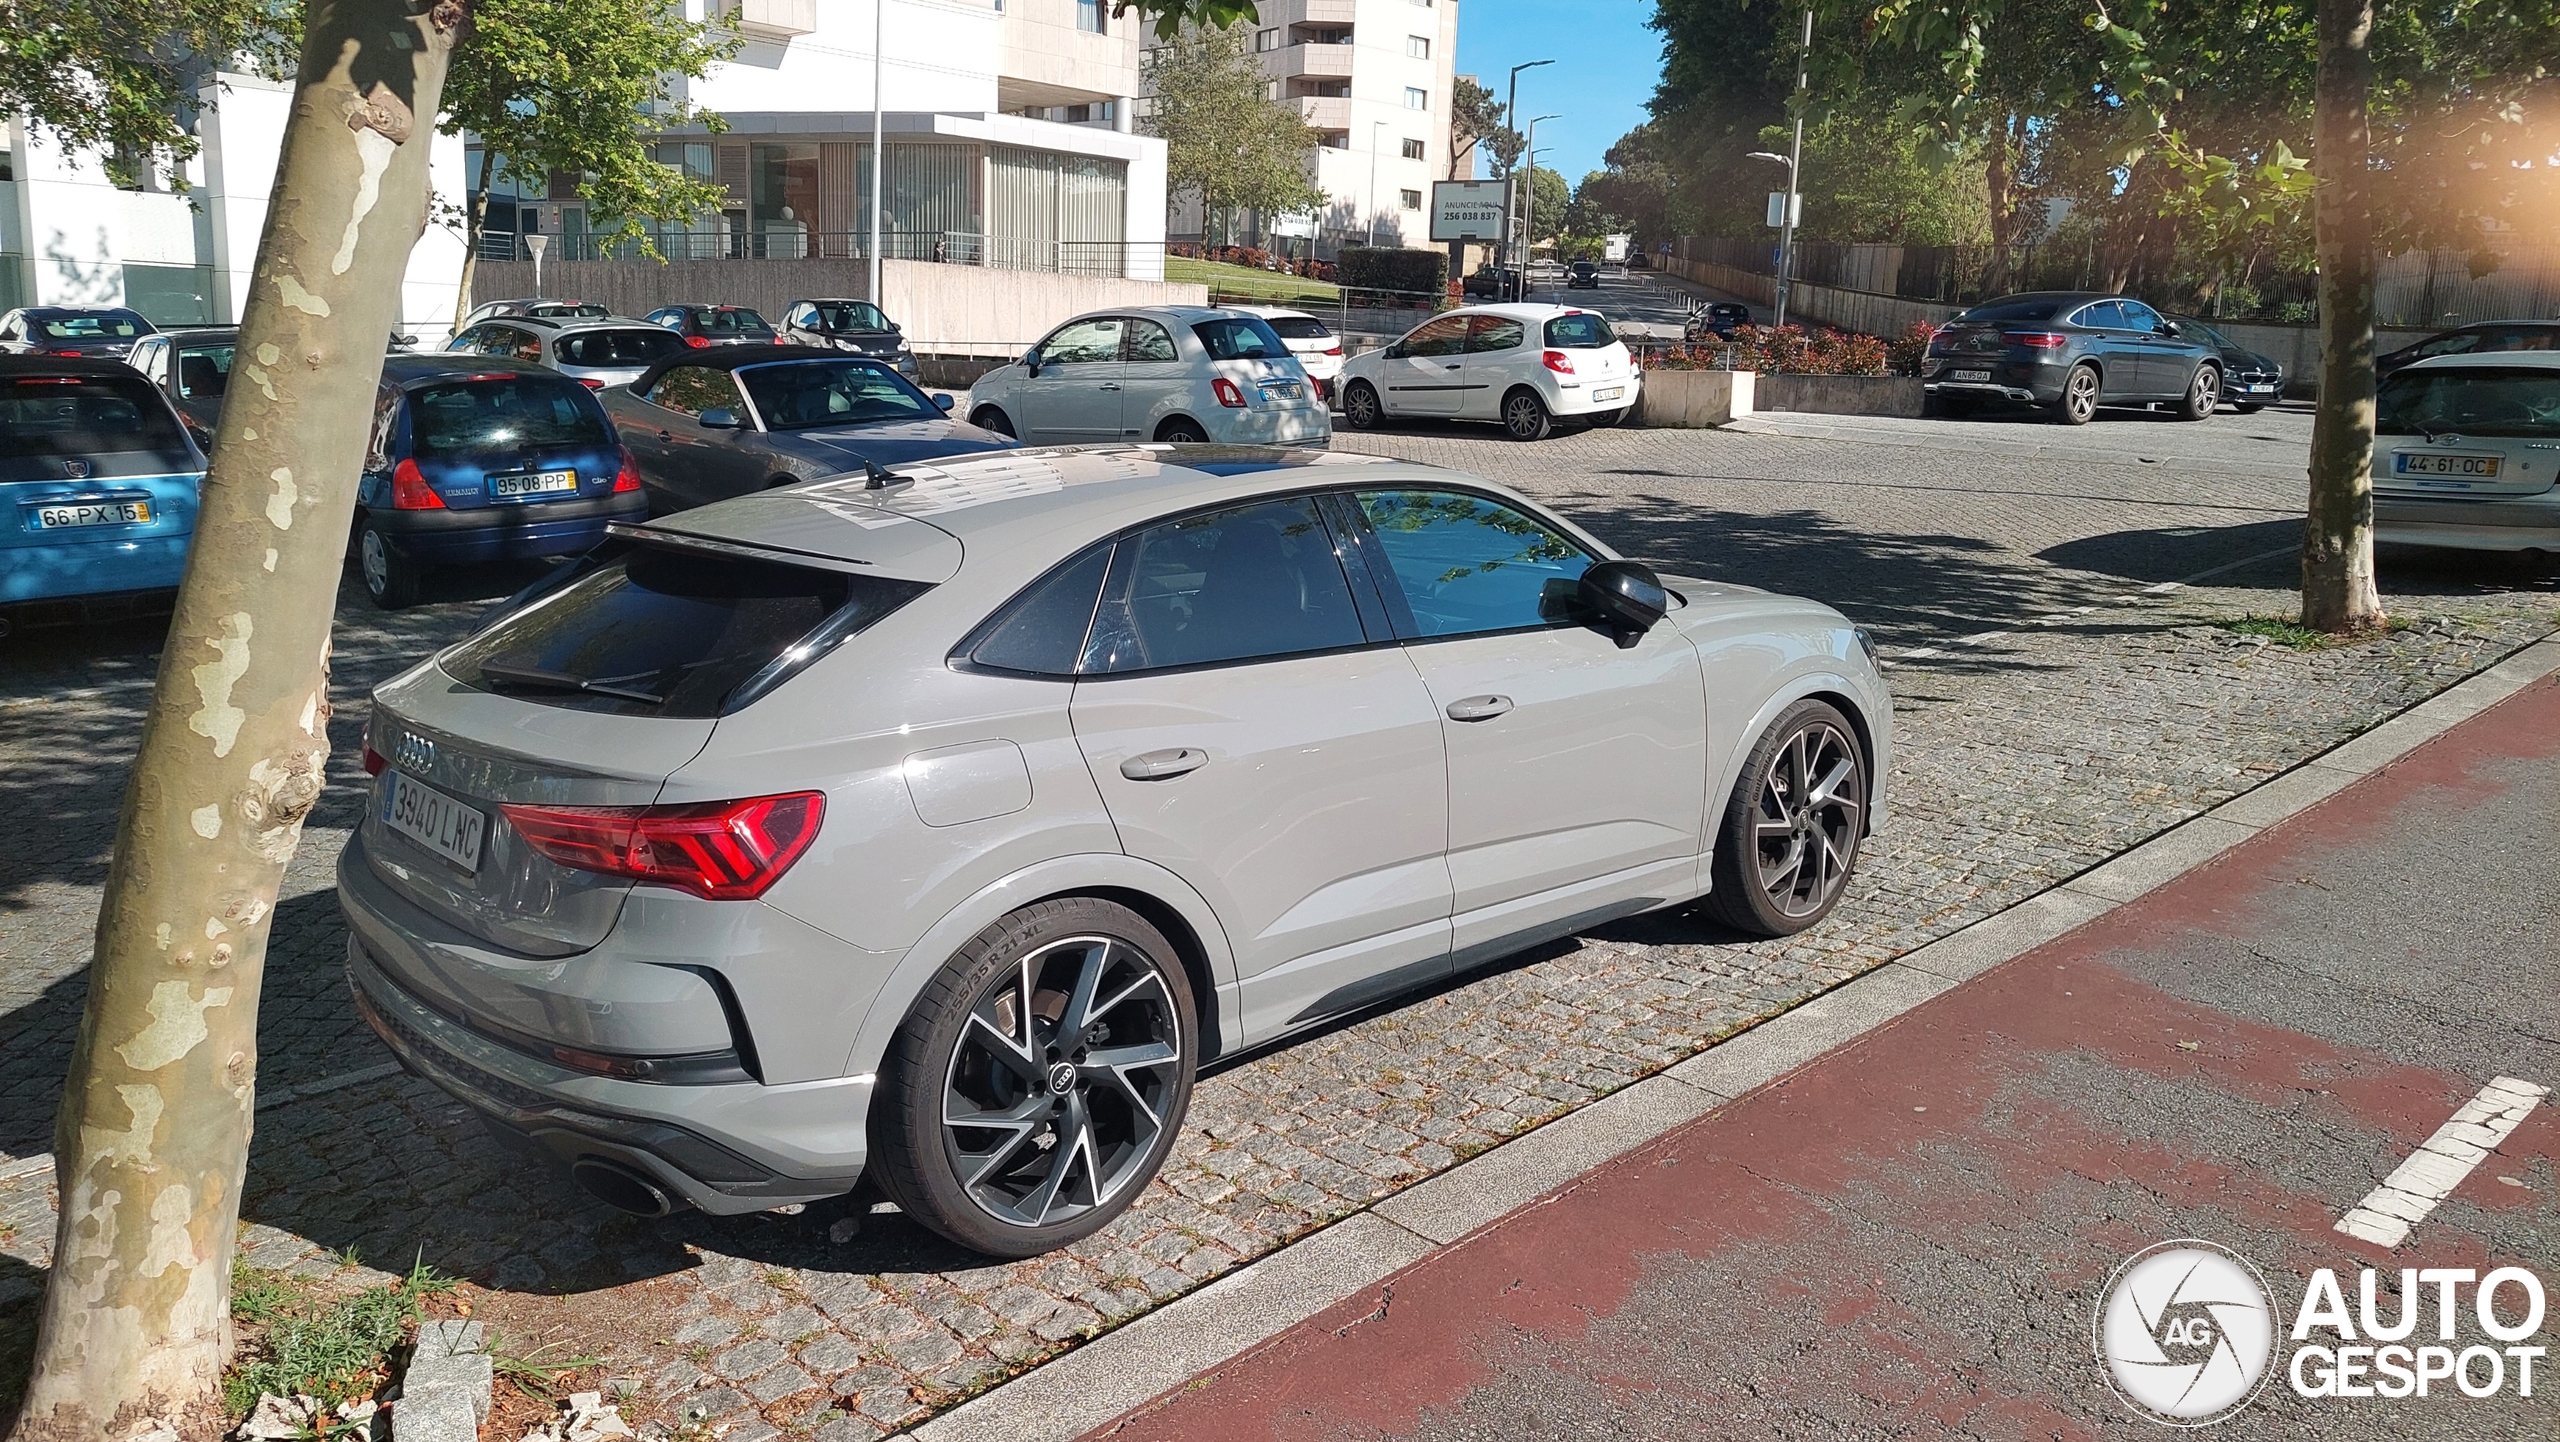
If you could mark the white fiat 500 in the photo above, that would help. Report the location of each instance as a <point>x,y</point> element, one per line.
<point>2466,453</point>
<point>1167,373</point>
<point>1525,366</point>
<point>939,824</point>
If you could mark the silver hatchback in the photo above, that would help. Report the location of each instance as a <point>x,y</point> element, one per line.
<point>942,822</point>
<point>599,352</point>
<point>1168,373</point>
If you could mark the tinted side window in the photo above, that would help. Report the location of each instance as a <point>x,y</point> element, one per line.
<point>1041,633</point>
<point>693,390</point>
<point>1493,333</point>
<point>1255,582</point>
<point>1466,564</point>
<point>2105,315</point>
<point>1445,336</point>
<point>2138,316</point>
<point>1149,341</point>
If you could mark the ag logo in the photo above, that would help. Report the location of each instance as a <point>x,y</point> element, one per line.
<point>2187,1331</point>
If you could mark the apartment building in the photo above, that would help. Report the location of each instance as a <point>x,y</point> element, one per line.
<point>1007,133</point>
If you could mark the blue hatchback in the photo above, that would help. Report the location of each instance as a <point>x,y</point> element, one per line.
<point>98,486</point>
<point>477,460</point>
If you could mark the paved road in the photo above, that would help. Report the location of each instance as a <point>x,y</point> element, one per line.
<point>1907,1238</point>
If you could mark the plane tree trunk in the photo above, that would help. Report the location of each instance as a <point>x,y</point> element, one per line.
<point>2338,590</point>
<point>152,1139</point>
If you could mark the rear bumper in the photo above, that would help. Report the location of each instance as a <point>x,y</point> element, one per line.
<point>66,570</point>
<point>2032,382</point>
<point>1582,399</point>
<point>510,531</point>
<point>1275,426</point>
<point>2518,523</point>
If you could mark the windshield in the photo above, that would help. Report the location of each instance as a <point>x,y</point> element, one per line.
<point>503,413</point>
<point>45,416</point>
<point>2198,330</point>
<point>630,346</point>
<point>659,631</point>
<point>1582,330</point>
<point>731,320</point>
<point>2474,401</point>
<point>795,395</point>
<point>1298,327</point>
<point>2030,312</point>
<point>96,325</point>
<point>1243,337</point>
<point>851,315</point>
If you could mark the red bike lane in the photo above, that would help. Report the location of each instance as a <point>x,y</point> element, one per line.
<point>1907,1237</point>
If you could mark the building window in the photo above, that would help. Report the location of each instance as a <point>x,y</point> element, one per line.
<point>1266,40</point>
<point>1416,99</point>
<point>1417,47</point>
<point>1413,150</point>
<point>1089,16</point>
<point>1412,199</point>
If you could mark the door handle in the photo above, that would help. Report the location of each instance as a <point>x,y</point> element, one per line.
<point>1453,365</point>
<point>1479,708</point>
<point>1164,765</point>
<point>1108,386</point>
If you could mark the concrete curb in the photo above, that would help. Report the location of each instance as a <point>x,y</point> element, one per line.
<point>1126,1368</point>
<point>1800,424</point>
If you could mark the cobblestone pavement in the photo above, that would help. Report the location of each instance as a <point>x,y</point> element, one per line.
<point>2074,701</point>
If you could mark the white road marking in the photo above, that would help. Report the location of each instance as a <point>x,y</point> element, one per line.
<point>2441,1162</point>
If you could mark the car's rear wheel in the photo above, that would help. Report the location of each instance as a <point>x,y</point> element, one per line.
<point>1525,416</point>
<point>1360,406</point>
<point>1611,418</point>
<point>988,418</point>
<point>1181,428</point>
<point>1789,839</point>
<point>390,578</point>
<point>2079,403</point>
<point>2203,394</point>
<point>1038,1083</point>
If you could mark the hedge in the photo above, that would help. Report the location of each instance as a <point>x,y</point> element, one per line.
<point>1393,267</point>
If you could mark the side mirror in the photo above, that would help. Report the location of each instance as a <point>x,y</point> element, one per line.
<point>944,399</point>
<point>1625,596</point>
<point>2171,328</point>
<point>1396,352</point>
<point>718,418</point>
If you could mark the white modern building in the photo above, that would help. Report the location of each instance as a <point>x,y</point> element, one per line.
<point>1373,79</point>
<point>1007,129</point>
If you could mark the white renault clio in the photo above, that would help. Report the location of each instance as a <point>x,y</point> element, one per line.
<point>1166,373</point>
<point>2466,453</point>
<point>1525,366</point>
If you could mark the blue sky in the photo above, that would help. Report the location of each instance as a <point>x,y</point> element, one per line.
<point>1607,61</point>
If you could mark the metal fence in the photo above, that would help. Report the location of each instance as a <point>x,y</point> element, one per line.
<point>951,247</point>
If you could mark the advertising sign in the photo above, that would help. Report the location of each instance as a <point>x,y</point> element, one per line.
<point>1466,209</point>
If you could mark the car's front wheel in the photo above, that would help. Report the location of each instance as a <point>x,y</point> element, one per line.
<point>1360,406</point>
<point>1789,838</point>
<point>390,578</point>
<point>1038,1083</point>
<point>1525,416</point>
<point>988,418</point>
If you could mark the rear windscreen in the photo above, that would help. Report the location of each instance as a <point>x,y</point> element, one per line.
<point>1299,327</point>
<point>661,631</point>
<point>503,413</point>
<point>1998,311</point>
<point>1583,330</point>
<point>45,416</point>
<point>1240,338</point>
<point>96,325</point>
<point>730,321</point>
<point>636,346</point>
<point>2472,401</point>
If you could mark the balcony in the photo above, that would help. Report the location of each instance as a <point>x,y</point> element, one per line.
<point>1327,12</point>
<point>1325,112</point>
<point>1329,61</point>
<point>770,19</point>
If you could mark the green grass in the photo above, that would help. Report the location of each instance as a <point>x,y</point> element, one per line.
<point>1267,285</point>
<point>2289,631</point>
<point>534,1373</point>
<point>332,1348</point>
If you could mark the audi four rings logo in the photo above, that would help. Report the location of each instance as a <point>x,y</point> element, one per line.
<point>415,753</point>
<point>2187,1330</point>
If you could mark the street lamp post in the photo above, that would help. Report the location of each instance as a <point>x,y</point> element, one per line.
<point>1793,160</point>
<point>879,48</point>
<point>1510,121</point>
<point>1529,200</point>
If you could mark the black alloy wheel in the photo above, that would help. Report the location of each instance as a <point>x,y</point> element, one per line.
<point>1790,835</point>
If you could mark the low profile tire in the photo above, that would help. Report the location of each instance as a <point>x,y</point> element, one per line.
<point>2203,394</point>
<point>2079,403</point>
<point>1038,1083</point>
<point>390,578</point>
<point>1525,417</point>
<point>1360,408</point>
<point>1181,429</point>
<point>1788,842</point>
<point>988,418</point>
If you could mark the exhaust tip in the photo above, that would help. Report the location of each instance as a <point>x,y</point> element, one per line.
<point>622,1188</point>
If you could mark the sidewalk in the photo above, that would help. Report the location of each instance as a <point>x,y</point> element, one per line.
<point>1905,1238</point>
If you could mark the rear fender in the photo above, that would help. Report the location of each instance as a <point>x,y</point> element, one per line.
<point>1085,874</point>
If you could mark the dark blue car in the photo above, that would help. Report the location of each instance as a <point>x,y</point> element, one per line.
<point>478,460</point>
<point>98,486</point>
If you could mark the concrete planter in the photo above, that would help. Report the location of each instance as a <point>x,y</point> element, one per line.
<point>1842,395</point>
<point>1693,400</point>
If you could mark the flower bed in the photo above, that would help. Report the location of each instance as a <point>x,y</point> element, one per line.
<point>1779,350</point>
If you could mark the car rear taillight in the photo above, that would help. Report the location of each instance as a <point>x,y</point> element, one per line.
<point>1228,392</point>
<point>373,761</point>
<point>628,478</point>
<point>1334,349</point>
<point>73,354</point>
<point>2040,339</point>
<point>718,850</point>
<point>591,383</point>
<point>697,342</point>
<point>410,491</point>
<point>1557,361</point>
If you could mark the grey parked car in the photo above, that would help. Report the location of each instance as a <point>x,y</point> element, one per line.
<point>1172,373</point>
<point>941,825</point>
<point>2071,352</point>
<point>706,425</point>
<point>607,351</point>
<point>849,325</point>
